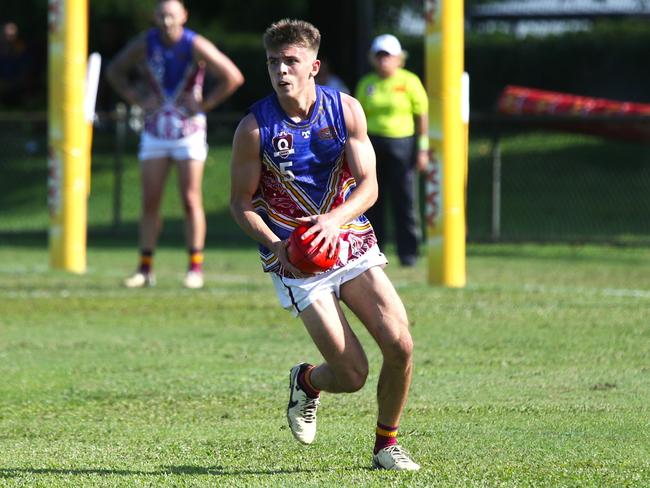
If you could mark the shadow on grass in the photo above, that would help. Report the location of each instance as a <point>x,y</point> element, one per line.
<point>164,470</point>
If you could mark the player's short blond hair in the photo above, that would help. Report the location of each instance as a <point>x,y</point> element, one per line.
<point>292,32</point>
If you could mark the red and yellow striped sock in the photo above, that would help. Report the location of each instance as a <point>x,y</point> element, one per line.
<point>196,260</point>
<point>304,380</point>
<point>146,261</point>
<point>385,436</point>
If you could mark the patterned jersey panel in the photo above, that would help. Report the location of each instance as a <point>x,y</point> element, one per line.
<point>304,172</point>
<point>173,73</point>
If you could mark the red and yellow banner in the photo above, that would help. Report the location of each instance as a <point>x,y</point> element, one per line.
<point>522,101</point>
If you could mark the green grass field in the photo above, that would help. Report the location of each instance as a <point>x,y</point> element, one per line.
<point>536,374</point>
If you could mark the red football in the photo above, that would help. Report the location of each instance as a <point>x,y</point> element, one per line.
<point>305,257</point>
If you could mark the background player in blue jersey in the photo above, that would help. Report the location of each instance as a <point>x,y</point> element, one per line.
<point>303,155</point>
<point>172,60</point>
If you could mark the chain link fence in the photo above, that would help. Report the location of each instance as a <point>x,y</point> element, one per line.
<point>524,183</point>
<point>527,183</point>
<point>114,197</point>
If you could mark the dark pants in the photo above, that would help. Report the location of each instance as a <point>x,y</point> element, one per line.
<point>396,176</point>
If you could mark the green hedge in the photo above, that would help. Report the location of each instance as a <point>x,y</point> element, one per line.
<point>609,61</point>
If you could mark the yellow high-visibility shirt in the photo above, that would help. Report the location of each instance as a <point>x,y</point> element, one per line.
<point>390,103</point>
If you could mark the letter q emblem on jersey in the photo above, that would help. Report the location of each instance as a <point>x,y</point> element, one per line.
<point>283,145</point>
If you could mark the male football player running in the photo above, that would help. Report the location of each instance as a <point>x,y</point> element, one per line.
<point>302,155</point>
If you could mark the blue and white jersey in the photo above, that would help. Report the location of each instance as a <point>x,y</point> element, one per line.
<point>173,73</point>
<point>305,172</point>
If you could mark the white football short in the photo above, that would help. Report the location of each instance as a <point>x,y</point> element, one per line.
<point>296,294</point>
<point>192,147</point>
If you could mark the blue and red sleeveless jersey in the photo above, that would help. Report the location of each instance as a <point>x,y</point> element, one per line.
<point>304,172</point>
<point>172,73</point>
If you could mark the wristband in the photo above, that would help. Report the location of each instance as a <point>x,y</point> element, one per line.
<point>423,142</point>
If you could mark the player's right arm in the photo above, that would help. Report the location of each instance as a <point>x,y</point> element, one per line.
<point>245,173</point>
<point>117,73</point>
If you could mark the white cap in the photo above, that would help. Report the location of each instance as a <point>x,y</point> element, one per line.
<point>387,43</point>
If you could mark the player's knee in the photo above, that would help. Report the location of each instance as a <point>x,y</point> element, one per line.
<point>150,207</point>
<point>192,202</point>
<point>354,378</point>
<point>354,383</point>
<point>399,351</point>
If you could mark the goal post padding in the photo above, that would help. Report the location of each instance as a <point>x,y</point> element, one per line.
<point>448,113</point>
<point>68,133</point>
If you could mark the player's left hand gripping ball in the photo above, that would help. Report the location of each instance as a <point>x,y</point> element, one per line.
<point>308,258</point>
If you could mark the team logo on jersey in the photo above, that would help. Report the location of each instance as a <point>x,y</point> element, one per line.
<point>327,133</point>
<point>283,145</point>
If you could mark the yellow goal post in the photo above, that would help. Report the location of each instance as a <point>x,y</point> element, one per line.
<point>445,186</point>
<point>71,104</point>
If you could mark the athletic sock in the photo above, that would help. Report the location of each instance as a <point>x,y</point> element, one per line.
<point>304,380</point>
<point>196,260</point>
<point>146,261</point>
<point>385,436</point>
